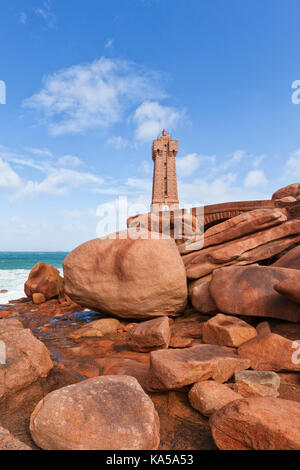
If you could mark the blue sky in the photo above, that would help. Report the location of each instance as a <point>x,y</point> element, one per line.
<point>91,83</point>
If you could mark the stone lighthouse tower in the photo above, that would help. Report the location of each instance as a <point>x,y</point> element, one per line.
<point>164,190</point>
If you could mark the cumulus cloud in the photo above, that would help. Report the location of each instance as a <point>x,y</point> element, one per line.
<point>54,176</point>
<point>255,178</point>
<point>95,95</point>
<point>59,182</point>
<point>151,117</point>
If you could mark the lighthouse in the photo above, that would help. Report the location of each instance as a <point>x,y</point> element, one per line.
<point>164,189</point>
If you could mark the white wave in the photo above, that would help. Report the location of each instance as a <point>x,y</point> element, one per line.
<point>13,281</point>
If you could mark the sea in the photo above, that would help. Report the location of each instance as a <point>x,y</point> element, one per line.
<point>16,266</point>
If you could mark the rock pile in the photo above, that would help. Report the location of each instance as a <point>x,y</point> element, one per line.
<point>197,349</point>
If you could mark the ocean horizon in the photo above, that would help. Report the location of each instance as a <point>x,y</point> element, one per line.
<point>15,267</point>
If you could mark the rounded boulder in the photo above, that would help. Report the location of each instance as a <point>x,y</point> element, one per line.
<point>102,413</point>
<point>127,278</point>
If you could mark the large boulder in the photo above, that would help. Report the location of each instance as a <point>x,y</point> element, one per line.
<point>271,352</point>
<point>26,360</point>
<point>134,278</point>
<point>249,291</point>
<point>292,190</point>
<point>174,368</point>
<point>103,413</point>
<point>257,423</point>
<point>291,259</point>
<point>149,335</point>
<point>226,330</point>
<point>44,279</point>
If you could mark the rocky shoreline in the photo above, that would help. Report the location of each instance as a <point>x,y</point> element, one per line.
<point>160,344</point>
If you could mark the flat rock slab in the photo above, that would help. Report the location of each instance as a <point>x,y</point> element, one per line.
<point>209,396</point>
<point>271,352</point>
<point>249,290</point>
<point>246,389</point>
<point>175,368</point>
<point>257,423</point>
<point>262,377</point>
<point>226,330</point>
<point>291,259</point>
<point>103,413</point>
<point>97,328</point>
<point>149,335</point>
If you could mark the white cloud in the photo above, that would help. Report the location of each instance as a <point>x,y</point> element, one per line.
<point>118,142</point>
<point>94,95</point>
<point>241,156</point>
<point>69,161</point>
<point>187,165</point>
<point>151,117</point>
<point>9,179</point>
<point>292,167</point>
<point>46,14</point>
<point>59,182</point>
<point>39,152</point>
<point>255,178</point>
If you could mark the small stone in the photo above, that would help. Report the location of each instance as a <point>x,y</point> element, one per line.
<point>202,300</point>
<point>38,298</point>
<point>226,330</point>
<point>271,352</point>
<point>261,377</point>
<point>246,388</point>
<point>263,328</point>
<point>209,396</point>
<point>149,335</point>
<point>97,328</point>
